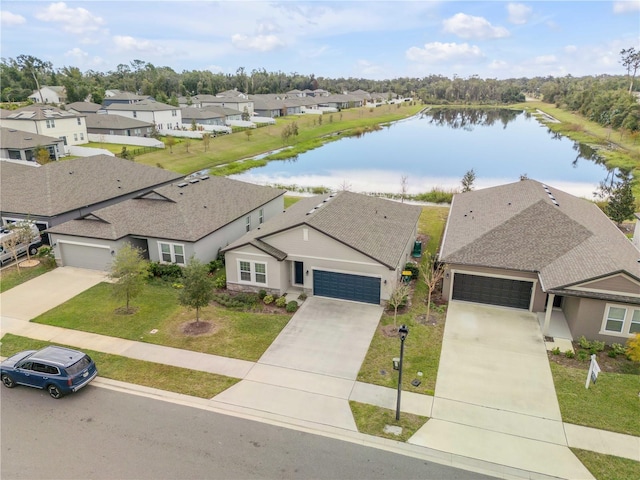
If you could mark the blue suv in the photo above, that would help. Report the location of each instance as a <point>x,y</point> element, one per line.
<point>56,369</point>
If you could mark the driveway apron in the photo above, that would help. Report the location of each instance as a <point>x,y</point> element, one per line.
<point>309,371</point>
<point>495,399</point>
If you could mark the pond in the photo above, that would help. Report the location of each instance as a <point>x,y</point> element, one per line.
<point>435,149</point>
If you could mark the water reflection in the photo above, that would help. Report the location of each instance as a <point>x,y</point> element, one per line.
<point>467,118</point>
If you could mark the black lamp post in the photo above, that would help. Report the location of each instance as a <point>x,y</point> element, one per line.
<point>403,331</point>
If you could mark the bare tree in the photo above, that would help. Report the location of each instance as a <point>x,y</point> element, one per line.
<point>170,141</point>
<point>11,243</point>
<point>432,272</point>
<point>345,186</point>
<point>404,187</point>
<point>397,298</point>
<point>631,61</point>
<point>206,138</point>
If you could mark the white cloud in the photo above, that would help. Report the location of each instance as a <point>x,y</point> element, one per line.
<point>570,49</point>
<point>498,65</point>
<point>437,52</point>
<point>8,19</point>
<point>626,6</point>
<point>468,26</point>
<point>260,43</point>
<point>545,60</point>
<point>73,20</point>
<point>126,43</point>
<point>267,27</point>
<point>368,69</point>
<point>77,53</point>
<point>215,69</point>
<point>82,58</point>
<point>519,13</point>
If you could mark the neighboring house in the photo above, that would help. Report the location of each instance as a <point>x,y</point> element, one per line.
<point>57,95</point>
<point>194,217</point>
<point>340,101</point>
<point>344,245</point>
<point>165,117</point>
<point>269,105</point>
<point>636,231</point>
<point>46,120</point>
<point>19,145</point>
<point>60,191</point>
<point>233,99</point>
<point>123,98</point>
<point>209,115</point>
<point>83,107</point>
<point>532,247</point>
<point>117,125</point>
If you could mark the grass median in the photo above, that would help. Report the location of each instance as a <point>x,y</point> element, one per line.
<point>607,467</point>
<point>11,276</point>
<point>149,374</point>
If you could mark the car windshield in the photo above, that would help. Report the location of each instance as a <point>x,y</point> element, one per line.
<point>79,366</point>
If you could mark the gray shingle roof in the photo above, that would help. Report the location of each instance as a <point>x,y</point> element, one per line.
<point>37,112</point>
<point>519,226</point>
<point>12,138</point>
<point>376,227</point>
<point>84,107</point>
<point>171,212</point>
<point>63,186</point>
<point>143,105</point>
<point>116,122</point>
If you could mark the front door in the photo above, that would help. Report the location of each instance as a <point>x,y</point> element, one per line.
<point>298,273</point>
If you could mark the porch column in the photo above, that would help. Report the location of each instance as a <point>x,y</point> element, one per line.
<point>547,313</point>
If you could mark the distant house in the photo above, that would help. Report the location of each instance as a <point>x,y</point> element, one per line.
<point>269,105</point>
<point>83,107</point>
<point>119,97</point>
<point>47,120</point>
<point>61,191</point>
<point>170,224</point>
<point>51,95</point>
<point>165,117</point>
<point>233,99</point>
<point>209,115</point>
<point>19,145</point>
<point>117,125</point>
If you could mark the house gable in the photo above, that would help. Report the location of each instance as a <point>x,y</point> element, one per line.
<point>616,284</point>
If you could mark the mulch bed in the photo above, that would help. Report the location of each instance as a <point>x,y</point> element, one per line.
<point>620,364</point>
<point>195,329</point>
<point>126,311</point>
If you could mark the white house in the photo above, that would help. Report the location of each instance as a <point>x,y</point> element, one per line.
<point>46,94</point>
<point>165,117</point>
<point>71,128</point>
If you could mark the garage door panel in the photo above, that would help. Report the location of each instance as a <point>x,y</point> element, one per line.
<point>492,290</point>
<point>85,256</point>
<point>358,288</point>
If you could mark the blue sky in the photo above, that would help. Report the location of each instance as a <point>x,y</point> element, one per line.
<point>377,40</point>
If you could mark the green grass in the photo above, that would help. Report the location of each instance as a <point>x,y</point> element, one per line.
<point>288,200</point>
<point>11,277</point>
<point>608,467</point>
<point>610,404</point>
<point>424,342</point>
<point>149,374</point>
<point>372,420</point>
<point>236,334</point>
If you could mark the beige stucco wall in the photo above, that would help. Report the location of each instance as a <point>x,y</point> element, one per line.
<point>585,316</point>
<point>616,284</point>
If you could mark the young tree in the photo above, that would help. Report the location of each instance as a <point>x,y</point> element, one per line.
<point>248,132</point>
<point>206,139</point>
<point>129,271</point>
<point>170,141</point>
<point>432,273</point>
<point>467,180</point>
<point>245,114</point>
<point>397,298</point>
<point>631,61</point>
<point>198,286</point>
<point>194,126</point>
<point>42,156</point>
<point>621,204</point>
<point>26,234</point>
<point>11,244</point>
<point>187,143</point>
<point>35,67</point>
<point>404,187</point>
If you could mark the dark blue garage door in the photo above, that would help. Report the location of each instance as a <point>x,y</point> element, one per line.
<point>491,290</point>
<point>346,287</point>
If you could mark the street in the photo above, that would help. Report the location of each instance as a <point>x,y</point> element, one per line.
<point>103,434</point>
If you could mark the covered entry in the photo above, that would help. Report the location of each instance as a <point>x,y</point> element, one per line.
<point>346,286</point>
<point>504,292</point>
<point>92,257</point>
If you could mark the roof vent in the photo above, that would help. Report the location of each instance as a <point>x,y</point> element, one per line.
<point>204,177</point>
<point>182,184</point>
<point>194,180</point>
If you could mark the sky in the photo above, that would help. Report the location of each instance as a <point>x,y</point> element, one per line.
<point>361,39</point>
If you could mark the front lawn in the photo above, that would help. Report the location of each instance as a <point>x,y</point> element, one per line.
<point>607,467</point>
<point>149,374</point>
<point>610,404</point>
<point>235,334</point>
<point>11,276</point>
<point>372,420</point>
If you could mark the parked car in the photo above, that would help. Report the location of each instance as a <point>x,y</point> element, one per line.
<point>8,246</point>
<point>57,370</point>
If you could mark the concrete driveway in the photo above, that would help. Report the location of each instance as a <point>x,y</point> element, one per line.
<point>33,298</point>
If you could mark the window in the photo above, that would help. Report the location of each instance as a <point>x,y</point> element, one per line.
<point>174,113</point>
<point>171,253</point>
<point>245,271</point>
<point>621,320</point>
<point>261,216</point>
<point>81,136</point>
<point>79,121</point>
<point>248,223</point>
<point>252,272</point>
<point>75,137</point>
<point>135,114</point>
<point>50,123</point>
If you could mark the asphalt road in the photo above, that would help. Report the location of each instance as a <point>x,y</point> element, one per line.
<point>103,434</point>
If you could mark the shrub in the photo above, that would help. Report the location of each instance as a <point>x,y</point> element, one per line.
<point>262,294</point>
<point>248,299</point>
<point>302,297</point>
<point>177,285</point>
<point>226,300</point>
<point>596,346</point>
<point>281,302</point>
<point>583,355</point>
<point>414,269</point>
<point>46,256</point>
<point>215,265</point>
<point>220,282</point>
<point>268,299</point>
<point>616,349</point>
<point>584,343</point>
<point>167,271</point>
<point>569,354</point>
<point>292,306</point>
<point>556,351</point>
<point>633,348</point>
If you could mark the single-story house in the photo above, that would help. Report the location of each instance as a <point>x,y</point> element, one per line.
<point>209,115</point>
<point>196,216</point>
<point>52,94</point>
<point>529,246</point>
<point>344,245</point>
<point>60,191</point>
<point>83,107</point>
<point>19,145</point>
<point>117,125</point>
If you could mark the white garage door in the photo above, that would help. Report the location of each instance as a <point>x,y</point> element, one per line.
<point>84,256</point>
